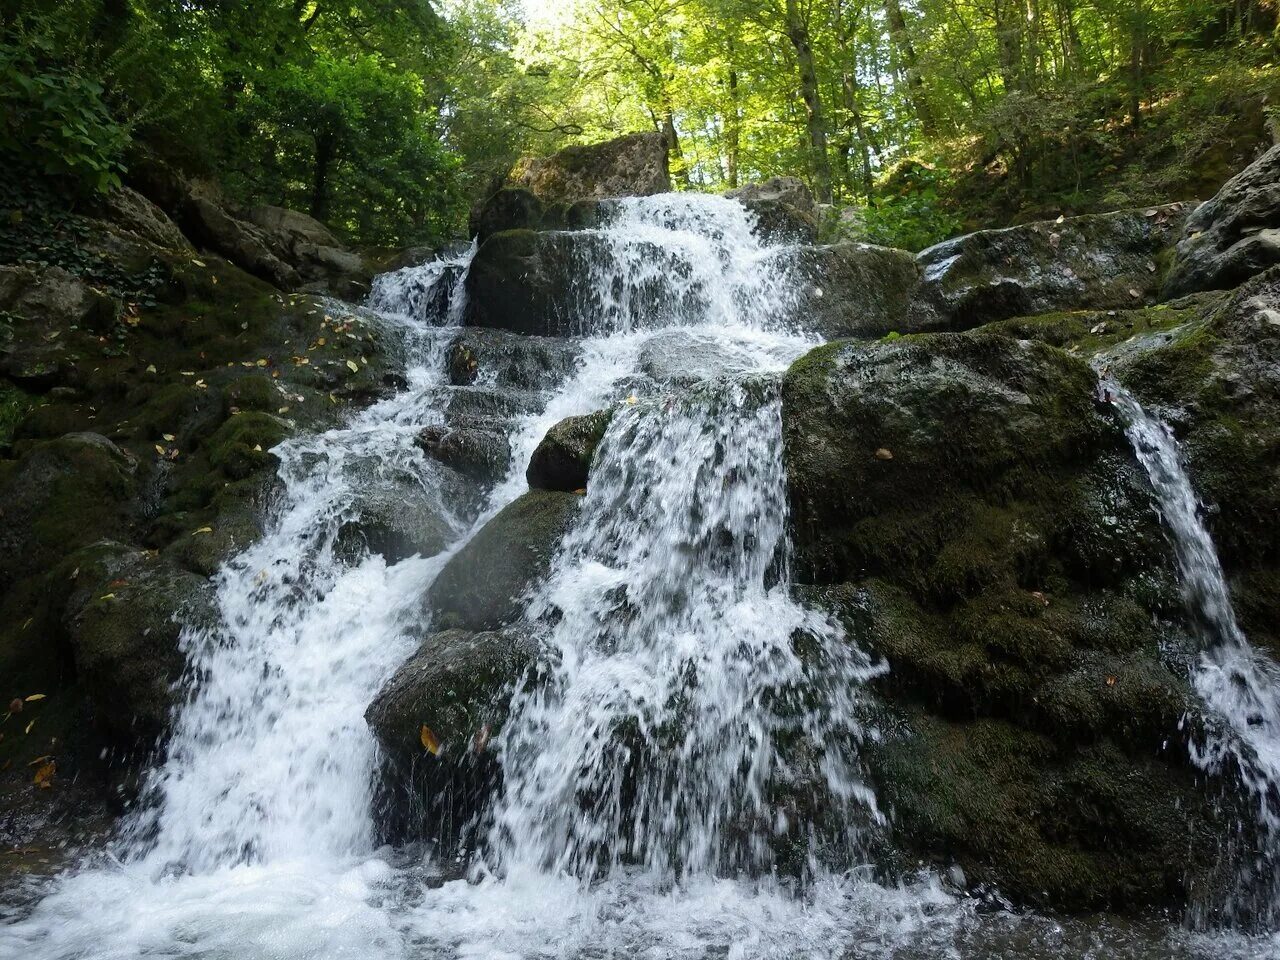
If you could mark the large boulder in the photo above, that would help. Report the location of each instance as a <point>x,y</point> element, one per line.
<point>562,460</point>
<point>484,585</point>
<point>528,282</point>
<point>978,520</point>
<point>1217,381</point>
<point>784,209</point>
<point>630,166</point>
<point>1234,235</point>
<point>457,685</point>
<point>1108,261</point>
<point>210,224</point>
<point>517,208</point>
<point>853,289</point>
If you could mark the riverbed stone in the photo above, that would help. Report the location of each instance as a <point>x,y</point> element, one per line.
<point>853,289</point>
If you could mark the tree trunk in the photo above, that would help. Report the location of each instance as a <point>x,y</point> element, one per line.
<point>798,34</point>
<point>851,95</point>
<point>733,129</point>
<point>910,66</point>
<point>325,143</point>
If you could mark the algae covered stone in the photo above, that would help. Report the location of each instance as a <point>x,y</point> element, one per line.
<point>484,584</point>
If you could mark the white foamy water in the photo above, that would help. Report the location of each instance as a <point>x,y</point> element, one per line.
<point>656,782</point>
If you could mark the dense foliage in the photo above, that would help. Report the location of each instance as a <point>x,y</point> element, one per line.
<point>388,118</point>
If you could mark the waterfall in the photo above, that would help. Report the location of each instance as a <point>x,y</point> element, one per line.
<point>657,778</point>
<point>1238,684</point>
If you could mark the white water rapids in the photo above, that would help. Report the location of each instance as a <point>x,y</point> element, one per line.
<point>646,780</point>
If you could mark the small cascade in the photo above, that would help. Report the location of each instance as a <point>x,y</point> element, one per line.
<point>680,260</point>
<point>674,671</point>
<point>1238,684</point>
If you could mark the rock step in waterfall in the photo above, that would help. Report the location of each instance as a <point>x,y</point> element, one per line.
<point>782,626</point>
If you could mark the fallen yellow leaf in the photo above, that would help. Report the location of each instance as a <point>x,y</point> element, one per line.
<point>202,530</point>
<point>429,740</point>
<point>34,697</point>
<point>353,366</point>
<point>44,776</point>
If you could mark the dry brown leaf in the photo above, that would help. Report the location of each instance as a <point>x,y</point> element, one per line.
<point>883,453</point>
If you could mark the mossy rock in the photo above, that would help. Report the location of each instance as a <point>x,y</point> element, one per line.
<point>457,684</point>
<point>484,585</point>
<point>59,496</point>
<point>1099,261</point>
<point>562,460</point>
<point>1074,828</point>
<point>977,520</point>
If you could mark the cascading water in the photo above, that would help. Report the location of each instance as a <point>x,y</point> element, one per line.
<point>1237,683</point>
<point>690,711</point>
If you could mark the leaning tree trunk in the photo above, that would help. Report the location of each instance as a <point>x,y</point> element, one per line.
<point>798,33</point>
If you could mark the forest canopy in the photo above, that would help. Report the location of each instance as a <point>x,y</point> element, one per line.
<point>388,119</point>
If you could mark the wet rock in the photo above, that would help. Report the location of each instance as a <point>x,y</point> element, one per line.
<point>854,289</point>
<point>504,359</point>
<point>562,460</point>
<point>59,496</point>
<point>458,684</point>
<point>479,453</point>
<point>515,208</point>
<point>123,617</point>
<point>681,358</point>
<point>396,518</point>
<point>533,282</point>
<point>1234,235</point>
<point>633,165</point>
<point>483,586</point>
<point>784,208</point>
<point>1008,564</point>
<point>1102,261</point>
<point>530,282</point>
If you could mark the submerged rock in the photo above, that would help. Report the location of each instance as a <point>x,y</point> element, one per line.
<point>1233,236</point>
<point>483,586</point>
<point>1008,564</point>
<point>631,166</point>
<point>562,459</point>
<point>396,519</point>
<point>503,359</point>
<point>1107,261</point>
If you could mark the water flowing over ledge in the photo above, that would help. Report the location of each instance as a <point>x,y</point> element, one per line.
<point>644,777</point>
